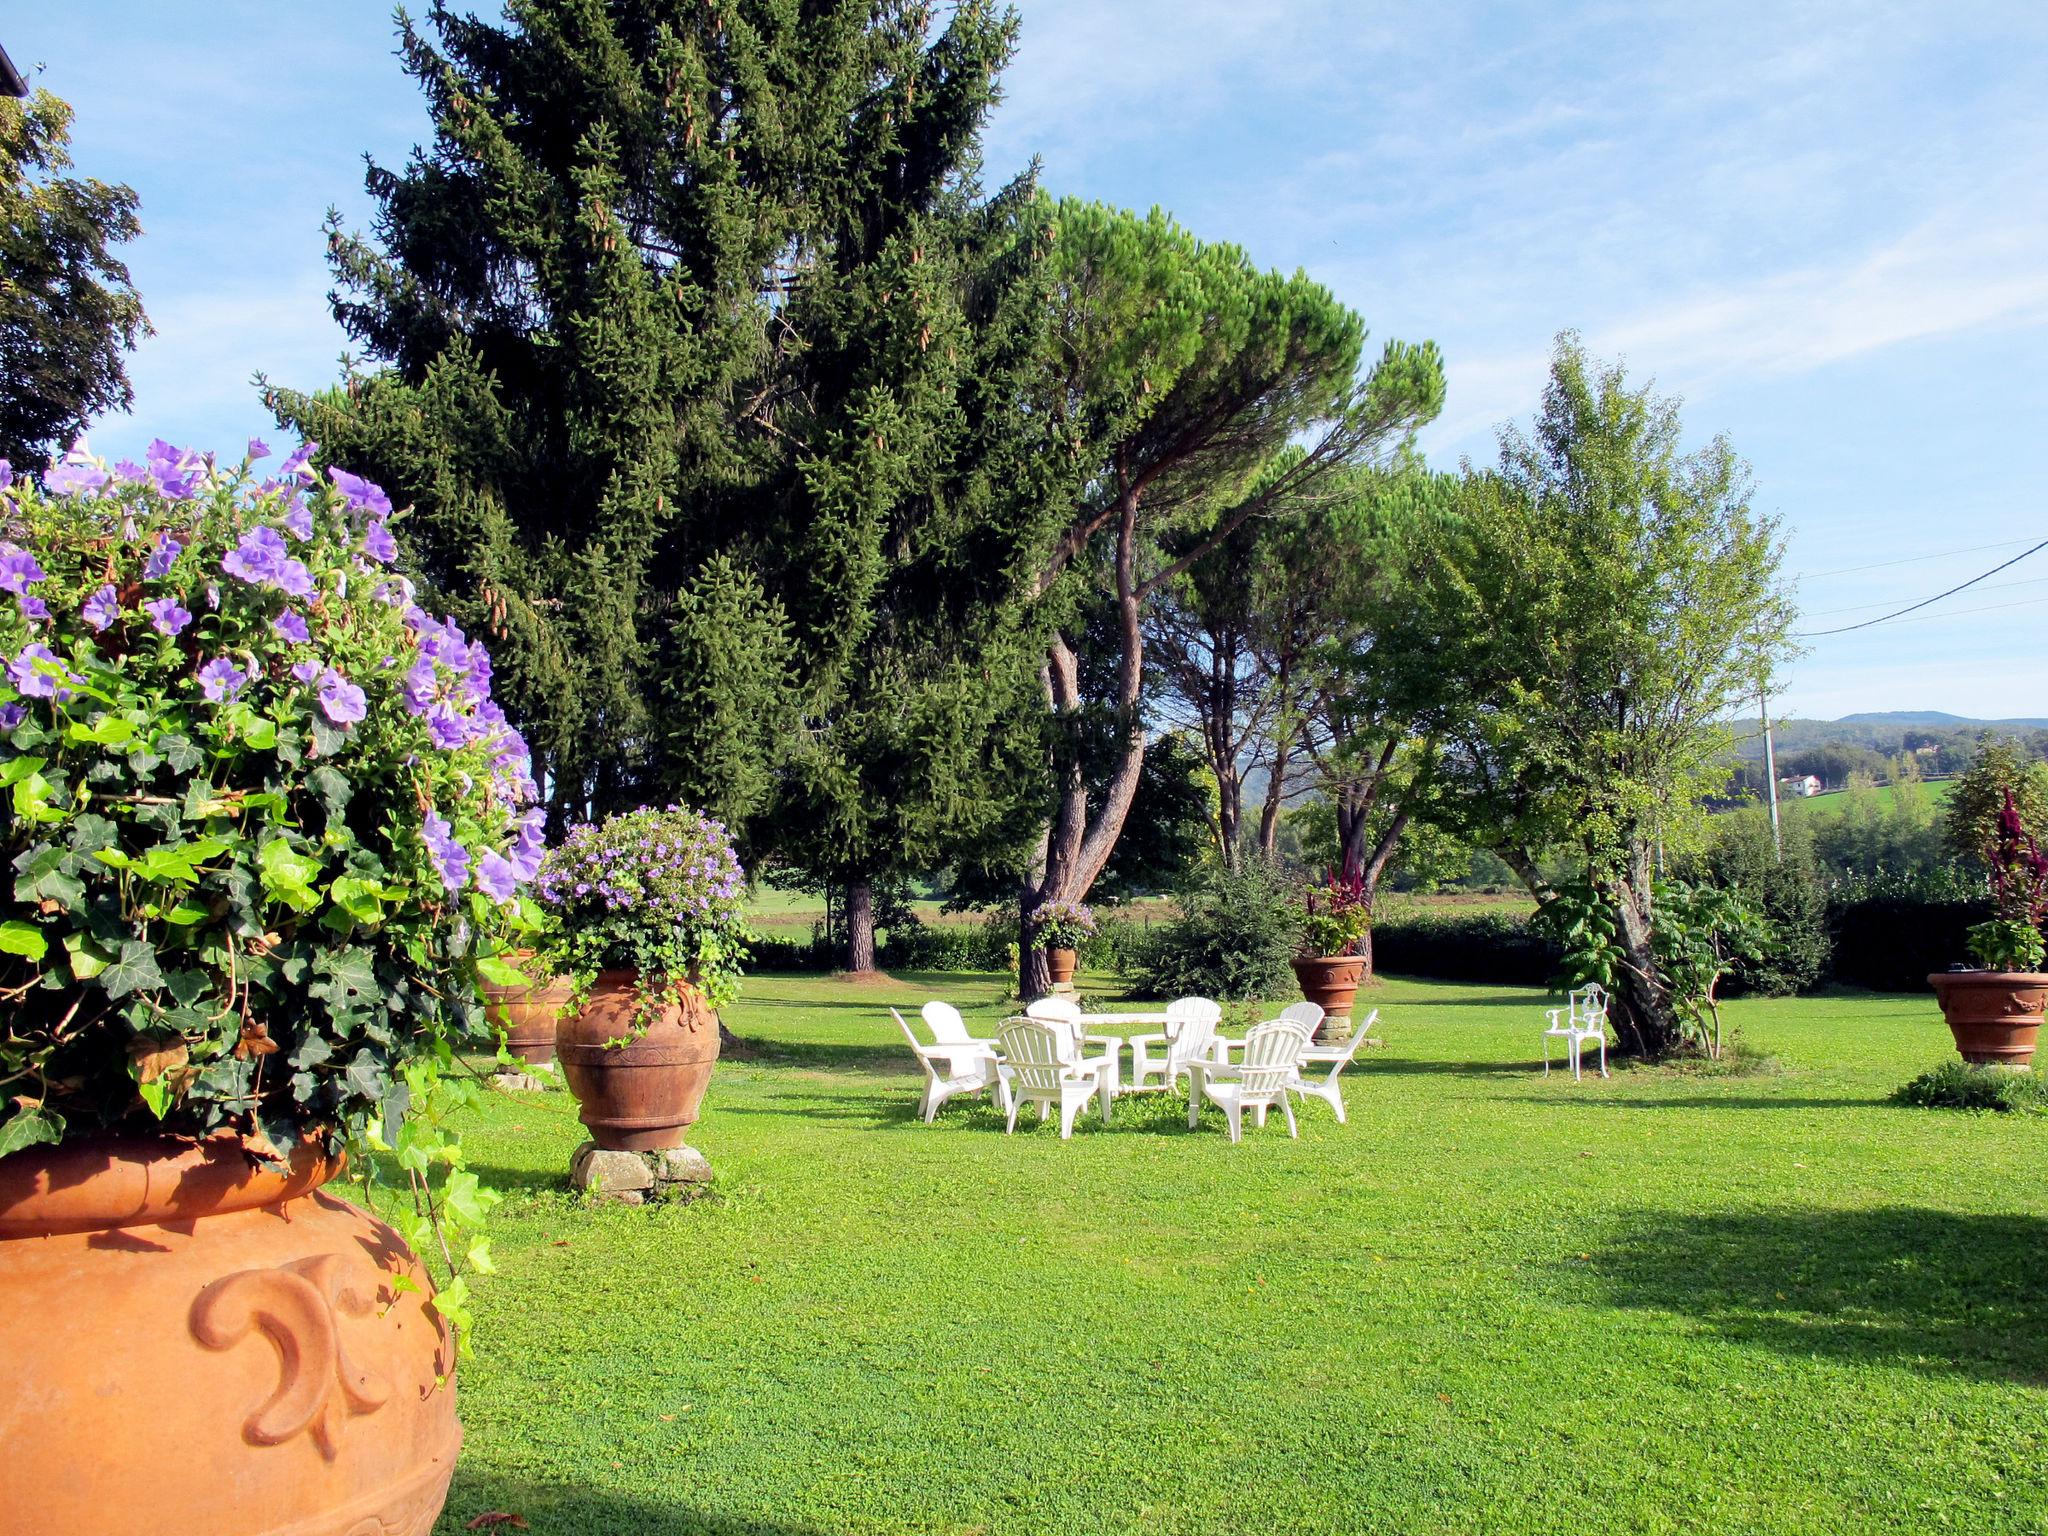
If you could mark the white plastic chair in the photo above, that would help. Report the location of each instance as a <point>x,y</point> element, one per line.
<point>1583,1018</point>
<point>1272,1059</point>
<point>952,1068</point>
<point>1338,1056</point>
<point>1037,1070</point>
<point>1190,1032</point>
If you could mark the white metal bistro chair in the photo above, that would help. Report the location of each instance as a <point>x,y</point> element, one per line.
<point>1190,1032</point>
<point>1338,1057</point>
<point>952,1068</point>
<point>1272,1058</point>
<point>1583,1018</point>
<point>1036,1070</point>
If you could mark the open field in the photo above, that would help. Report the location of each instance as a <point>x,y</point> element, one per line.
<point>1836,801</point>
<point>1494,1302</point>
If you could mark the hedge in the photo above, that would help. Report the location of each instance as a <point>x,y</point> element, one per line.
<point>1482,946</point>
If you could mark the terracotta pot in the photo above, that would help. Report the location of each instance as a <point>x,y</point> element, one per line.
<point>1994,1015</point>
<point>196,1344</point>
<point>640,1095</point>
<point>1060,963</point>
<point>526,1016</point>
<point>1331,980</point>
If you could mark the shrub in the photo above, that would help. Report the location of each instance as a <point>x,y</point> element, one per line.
<point>659,892</point>
<point>264,815</point>
<point>1966,1085</point>
<point>1890,932</point>
<point>1794,951</point>
<point>1486,945</point>
<point>1233,937</point>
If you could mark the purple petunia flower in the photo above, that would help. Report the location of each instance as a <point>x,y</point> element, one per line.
<point>291,625</point>
<point>496,877</point>
<point>296,463</point>
<point>12,715</point>
<point>258,449</point>
<point>451,859</point>
<point>341,700</point>
<point>34,609</point>
<point>220,679</point>
<point>262,559</point>
<point>378,543</point>
<point>162,558</point>
<point>27,673</point>
<point>298,518</point>
<point>19,570</point>
<point>305,671</point>
<point>168,615</point>
<point>6,474</point>
<point>448,729</point>
<point>102,609</point>
<point>73,477</point>
<point>176,472</point>
<point>363,495</point>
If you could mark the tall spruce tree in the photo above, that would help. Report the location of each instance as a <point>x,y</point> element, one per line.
<point>589,379</point>
<point>1177,372</point>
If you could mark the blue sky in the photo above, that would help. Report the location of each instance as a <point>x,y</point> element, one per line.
<point>1824,226</point>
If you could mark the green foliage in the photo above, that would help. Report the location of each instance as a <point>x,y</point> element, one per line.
<point>1891,932</point>
<point>1480,944</point>
<point>68,310</point>
<point>255,875</point>
<point>2006,944</point>
<point>1966,1085</point>
<point>1232,938</point>
<point>1794,949</point>
<point>1976,798</point>
<point>656,892</point>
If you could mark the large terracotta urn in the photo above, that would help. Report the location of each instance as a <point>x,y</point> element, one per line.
<point>1060,963</point>
<point>196,1344</point>
<point>637,1094</point>
<point>526,1016</point>
<point>1995,1016</point>
<point>1330,980</point>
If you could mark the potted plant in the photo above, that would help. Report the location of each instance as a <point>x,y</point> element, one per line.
<point>1061,927</point>
<point>650,932</point>
<point>264,822</point>
<point>1333,923</point>
<point>1995,1012</point>
<point>524,1012</point>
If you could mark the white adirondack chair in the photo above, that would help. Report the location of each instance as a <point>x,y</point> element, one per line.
<point>1583,1018</point>
<point>1303,1012</point>
<point>1037,1070</point>
<point>1338,1057</point>
<point>1190,1032</point>
<point>952,1068</point>
<point>1272,1057</point>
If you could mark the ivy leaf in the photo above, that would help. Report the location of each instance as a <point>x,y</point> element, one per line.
<point>328,740</point>
<point>187,986</point>
<point>359,898</point>
<point>179,752</point>
<point>87,958</point>
<point>30,1126</point>
<point>19,938</point>
<point>311,1051</point>
<point>133,970</point>
<point>333,788</point>
<point>90,833</point>
<point>500,973</point>
<point>367,1076</point>
<point>288,874</point>
<point>106,731</point>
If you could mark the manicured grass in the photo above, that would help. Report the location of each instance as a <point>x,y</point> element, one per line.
<point>1493,1302</point>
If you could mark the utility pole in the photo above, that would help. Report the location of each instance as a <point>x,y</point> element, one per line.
<point>1763,703</point>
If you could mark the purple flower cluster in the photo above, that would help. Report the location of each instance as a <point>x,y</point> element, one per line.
<point>663,870</point>
<point>449,686</point>
<point>39,673</point>
<point>262,559</point>
<point>74,474</point>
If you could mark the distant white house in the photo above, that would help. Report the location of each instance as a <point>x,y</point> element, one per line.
<point>1806,784</point>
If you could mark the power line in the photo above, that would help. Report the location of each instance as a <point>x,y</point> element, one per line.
<point>1879,565</point>
<point>1816,634</point>
<point>1936,618</point>
<point>2003,586</point>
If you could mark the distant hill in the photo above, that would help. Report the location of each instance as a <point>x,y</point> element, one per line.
<point>1906,717</point>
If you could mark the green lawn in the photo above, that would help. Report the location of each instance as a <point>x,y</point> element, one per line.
<point>1493,1302</point>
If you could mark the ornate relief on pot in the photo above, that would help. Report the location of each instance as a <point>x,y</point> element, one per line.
<point>299,1305</point>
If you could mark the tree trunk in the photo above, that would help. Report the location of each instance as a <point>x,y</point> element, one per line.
<point>1034,973</point>
<point>860,925</point>
<point>1647,1022</point>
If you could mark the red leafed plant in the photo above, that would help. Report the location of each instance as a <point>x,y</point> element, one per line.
<point>2011,941</point>
<point>1335,919</point>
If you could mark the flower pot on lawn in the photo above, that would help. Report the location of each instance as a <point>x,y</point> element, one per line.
<point>1060,963</point>
<point>201,1343</point>
<point>526,1016</point>
<point>1330,981</point>
<point>1995,1016</point>
<point>637,1092</point>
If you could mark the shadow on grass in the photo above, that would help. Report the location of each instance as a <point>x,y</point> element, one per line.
<point>568,1510</point>
<point>1934,1291</point>
<point>869,1060</point>
<point>1705,1101</point>
<point>1407,1066</point>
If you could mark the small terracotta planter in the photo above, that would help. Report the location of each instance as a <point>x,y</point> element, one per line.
<point>640,1095</point>
<point>1994,1015</point>
<point>1061,963</point>
<point>1330,980</point>
<point>526,1016</point>
<point>198,1343</point>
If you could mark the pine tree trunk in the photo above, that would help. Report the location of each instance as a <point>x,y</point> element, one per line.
<point>1034,975</point>
<point>860,926</point>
